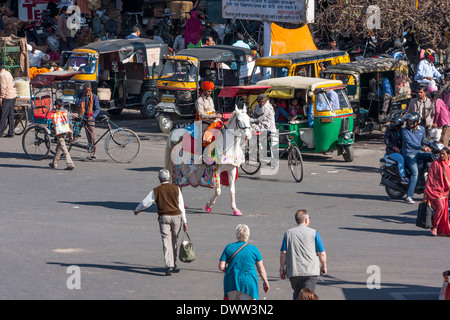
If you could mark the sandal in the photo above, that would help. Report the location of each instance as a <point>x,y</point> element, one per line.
<point>433,231</point>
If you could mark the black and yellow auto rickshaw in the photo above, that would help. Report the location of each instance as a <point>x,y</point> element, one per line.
<point>361,80</point>
<point>121,72</point>
<point>306,63</point>
<point>182,74</point>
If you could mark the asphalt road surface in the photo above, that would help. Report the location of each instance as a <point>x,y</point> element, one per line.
<point>73,235</point>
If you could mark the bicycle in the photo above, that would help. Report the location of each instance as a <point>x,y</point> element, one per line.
<point>295,160</point>
<point>121,145</point>
<point>20,119</point>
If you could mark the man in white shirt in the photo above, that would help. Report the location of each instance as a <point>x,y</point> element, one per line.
<point>36,56</point>
<point>240,41</point>
<point>171,213</point>
<point>426,70</point>
<point>178,43</point>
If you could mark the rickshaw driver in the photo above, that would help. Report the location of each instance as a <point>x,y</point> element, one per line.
<point>263,119</point>
<point>205,106</point>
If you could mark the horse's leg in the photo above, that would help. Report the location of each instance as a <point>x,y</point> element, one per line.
<point>231,180</point>
<point>217,191</point>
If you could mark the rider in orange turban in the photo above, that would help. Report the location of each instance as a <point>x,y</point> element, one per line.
<point>207,85</point>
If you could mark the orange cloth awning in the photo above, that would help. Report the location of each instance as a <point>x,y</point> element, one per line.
<point>291,40</point>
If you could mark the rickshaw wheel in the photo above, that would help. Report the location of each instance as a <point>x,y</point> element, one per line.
<point>148,110</point>
<point>295,163</point>
<point>348,153</point>
<point>165,123</point>
<point>36,142</point>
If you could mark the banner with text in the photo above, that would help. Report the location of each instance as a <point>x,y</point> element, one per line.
<point>292,11</point>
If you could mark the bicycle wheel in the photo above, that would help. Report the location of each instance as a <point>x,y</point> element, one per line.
<point>295,163</point>
<point>20,121</point>
<point>250,167</point>
<point>36,142</point>
<point>122,145</point>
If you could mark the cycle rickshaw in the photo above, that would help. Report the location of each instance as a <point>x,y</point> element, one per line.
<point>265,142</point>
<point>121,145</point>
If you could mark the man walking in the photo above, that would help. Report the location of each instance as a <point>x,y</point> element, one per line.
<point>8,96</point>
<point>66,41</point>
<point>171,213</point>
<point>302,257</point>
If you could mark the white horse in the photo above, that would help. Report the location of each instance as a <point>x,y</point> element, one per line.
<point>238,126</point>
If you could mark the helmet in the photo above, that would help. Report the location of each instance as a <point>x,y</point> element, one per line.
<point>414,117</point>
<point>396,122</point>
<point>429,53</point>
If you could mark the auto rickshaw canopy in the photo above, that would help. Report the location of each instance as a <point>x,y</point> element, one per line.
<point>369,65</point>
<point>212,54</point>
<point>284,88</point>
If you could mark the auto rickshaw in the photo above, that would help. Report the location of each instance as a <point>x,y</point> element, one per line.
<point>182,74</point>
<point>121,72</point>
<point>359,76</point>
<point>307,63</point>
<point>328,126</point>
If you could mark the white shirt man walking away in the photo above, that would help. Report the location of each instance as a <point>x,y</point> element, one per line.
<point>171,213</point>
<point>302,257</point>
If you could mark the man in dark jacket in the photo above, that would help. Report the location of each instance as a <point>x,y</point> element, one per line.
<point>393,141</point>
<point>88,109</point>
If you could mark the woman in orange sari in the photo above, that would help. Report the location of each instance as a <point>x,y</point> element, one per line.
<point>437,190</point>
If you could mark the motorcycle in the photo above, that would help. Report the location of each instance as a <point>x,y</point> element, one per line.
<point>390,176</point>
<point>35,33</point>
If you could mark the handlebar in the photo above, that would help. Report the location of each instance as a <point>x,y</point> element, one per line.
<point>286,133</point>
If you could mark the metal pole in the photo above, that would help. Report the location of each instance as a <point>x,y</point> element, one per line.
<point>267,39</point>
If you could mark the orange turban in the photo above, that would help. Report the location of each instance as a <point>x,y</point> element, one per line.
<point>207,85</point>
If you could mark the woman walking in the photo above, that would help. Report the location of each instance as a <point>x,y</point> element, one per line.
<point>437,189</point>
<point>241,281</point>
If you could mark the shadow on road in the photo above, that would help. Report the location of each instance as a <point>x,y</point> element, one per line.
<point>395,290</point>
<point>117,205</point>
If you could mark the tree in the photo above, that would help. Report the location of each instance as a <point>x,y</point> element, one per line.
<point>427,21</point>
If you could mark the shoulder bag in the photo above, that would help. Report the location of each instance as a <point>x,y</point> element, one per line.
<point>234,254</point>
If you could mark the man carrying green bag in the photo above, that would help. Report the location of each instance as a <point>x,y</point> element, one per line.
<point>171,213</point>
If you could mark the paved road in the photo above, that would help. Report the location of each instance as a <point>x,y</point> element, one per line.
<point>54,219</point>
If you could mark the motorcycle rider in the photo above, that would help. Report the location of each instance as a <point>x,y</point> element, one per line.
<point>414,150</point>
<point>426,69</point>
<point>393,141</point>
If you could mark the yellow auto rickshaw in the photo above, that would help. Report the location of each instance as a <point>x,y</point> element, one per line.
<point>121,72</point>
<point>363,89</point>
<point>307,63</point>
<point>325,121</point>
<point>182,74</point>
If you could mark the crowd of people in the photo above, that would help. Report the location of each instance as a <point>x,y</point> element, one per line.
<point>427,121</point>
<point>302,253</point>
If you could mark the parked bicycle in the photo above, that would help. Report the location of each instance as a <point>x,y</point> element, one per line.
<point>121,145</point>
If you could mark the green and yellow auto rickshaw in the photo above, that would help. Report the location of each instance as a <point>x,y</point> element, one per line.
<point>325,123</point>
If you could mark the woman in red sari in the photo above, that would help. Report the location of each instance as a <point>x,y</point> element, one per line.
<point>437,190</point>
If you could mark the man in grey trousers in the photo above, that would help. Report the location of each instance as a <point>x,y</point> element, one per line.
<point>302,255</point>
<point>171,214</point>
